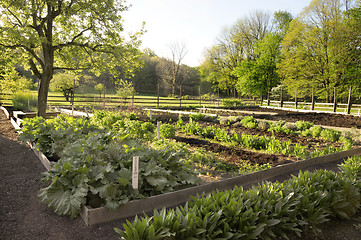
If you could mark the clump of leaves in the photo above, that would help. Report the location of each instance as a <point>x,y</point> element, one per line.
<point>249,122</point>
<point>303,125</point>
<point>167,130</point>
<point>330,135</point>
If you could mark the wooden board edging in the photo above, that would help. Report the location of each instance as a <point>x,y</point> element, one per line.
<point>6,112</point>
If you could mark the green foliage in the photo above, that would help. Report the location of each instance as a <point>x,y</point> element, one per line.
<point>197,117</point>
<point>167,130</point>
<point>249,122</point>
<point>96,163</point>
<point>303,125</point>
<point>316,131</point>
<point>101,163</point>
<point>125,88</point>
<point>65,83</point>
<point>279,127</point>
<point>267,211</point>
<point>232,102</point>
<point>330,135</point>
<point>24,101</point>
<point>100,88</point>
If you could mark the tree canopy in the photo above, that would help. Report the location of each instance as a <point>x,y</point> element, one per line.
<point>71,35</point>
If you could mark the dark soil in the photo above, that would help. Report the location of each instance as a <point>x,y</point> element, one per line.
<point>23,217</point>
<point>235,155</point>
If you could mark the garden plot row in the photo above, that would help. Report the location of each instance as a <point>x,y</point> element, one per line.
<point>97,215</point>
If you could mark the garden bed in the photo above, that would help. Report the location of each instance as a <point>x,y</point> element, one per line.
<point>99,215</point>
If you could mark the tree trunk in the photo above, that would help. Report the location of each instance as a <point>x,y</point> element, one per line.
<point>43,91</point>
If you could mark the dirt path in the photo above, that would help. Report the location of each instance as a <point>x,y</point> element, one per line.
<point>23,217</point>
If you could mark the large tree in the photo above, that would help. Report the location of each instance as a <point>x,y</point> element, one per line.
<point>69,35</point>
<point>315,49</point>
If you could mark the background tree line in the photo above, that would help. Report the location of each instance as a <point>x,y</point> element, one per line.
<point>320,49</point>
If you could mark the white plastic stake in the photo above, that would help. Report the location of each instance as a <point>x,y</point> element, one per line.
<point>135,174</point>
<point>158,130</point>
<point>150,114</point>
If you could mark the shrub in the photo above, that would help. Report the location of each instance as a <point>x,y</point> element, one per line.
<point>24,101</point>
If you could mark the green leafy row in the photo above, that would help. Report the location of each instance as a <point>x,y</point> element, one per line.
<point>267,211</point>
<point>269,144</point>
<point>303,128</point>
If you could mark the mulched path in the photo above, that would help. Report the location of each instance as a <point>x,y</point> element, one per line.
<point>23,217</point>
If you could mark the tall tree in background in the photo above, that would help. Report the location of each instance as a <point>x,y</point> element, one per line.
<point>234,46</point>
<point>313,49</point>
<point>178,52</point>
<point>68,35</point>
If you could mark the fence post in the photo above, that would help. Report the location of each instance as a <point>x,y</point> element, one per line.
<point>334,100</point>
<point>349,104</point>
<point>199,93</point>
<point>296,99</point>
<point>180,102</point>
<point>261,97</point>
<point>313,100</point>
<point>281,103</point>
<point>268,97</point>
<point>158,96</point>
<point>133,99</point>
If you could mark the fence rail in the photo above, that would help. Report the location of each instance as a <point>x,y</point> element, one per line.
<point>136,101</point>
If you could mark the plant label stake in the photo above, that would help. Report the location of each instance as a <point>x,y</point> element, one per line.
<point>135,172</point>
<point>158,130</point>
<point>150,114</point>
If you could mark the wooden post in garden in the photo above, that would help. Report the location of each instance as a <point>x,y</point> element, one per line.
<point>158,96</point>
<point>296,103</point>
<point>313,100</point>
<point>349,103</point>
<point>334,100</point>
<point>281,101</point>
<point>199,93</point>
<point>268,98</point>
<point>261,97</point>
<point>133,98</point>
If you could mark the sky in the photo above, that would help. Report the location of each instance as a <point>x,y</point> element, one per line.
<point>194,23</point>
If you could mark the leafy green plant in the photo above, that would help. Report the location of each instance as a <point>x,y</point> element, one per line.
<point>197,117</point>
<point>249,122</point>
<point>303,125</point>
<point>330,135</point>
<point>167,130</point>
<point>316,131</point>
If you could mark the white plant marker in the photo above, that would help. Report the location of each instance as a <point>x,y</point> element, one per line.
<point>150,114</point>
<point>158,130</point>
<point>135,175</point>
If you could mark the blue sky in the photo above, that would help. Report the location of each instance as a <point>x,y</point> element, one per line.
<point>196,23</point>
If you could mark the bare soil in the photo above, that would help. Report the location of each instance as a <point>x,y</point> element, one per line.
<point>23,217</point>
